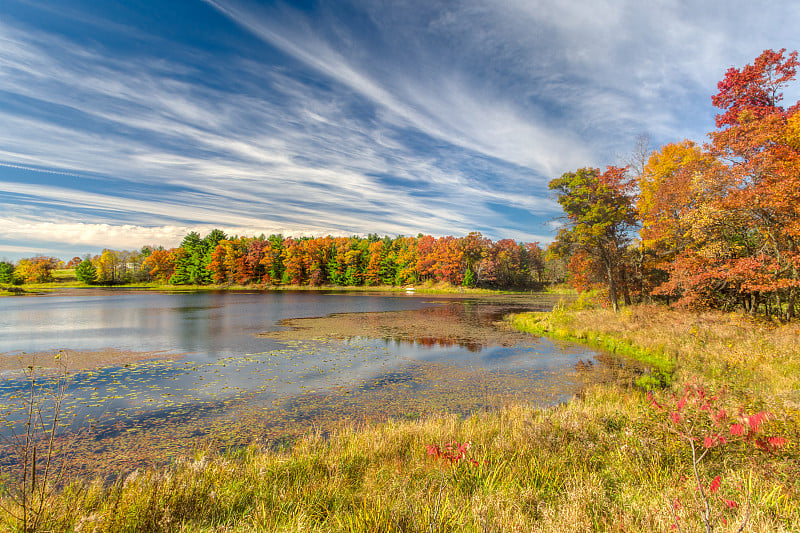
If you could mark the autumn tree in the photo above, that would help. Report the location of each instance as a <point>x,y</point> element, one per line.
<point>504,265</point>
<point>448,260</point>
<point>250,268</point>
<point>758,139</point>
<point>426,259</point>
<point>669,191</point>
<point>356,259</point>
<point>474,248</point>
<point>600,216</point>
<point>223,260</point>
<point>109,267</point>
<point>37,269</point>
<point>377,254</point>
<point>406,254</point>
<point>674,187</point>
<point>535,263</point>
<point>318,254</point>
<point>724,221</point>
<point>555,264</point>
<point>160,264</point>
<point>293,258</point>
<point>347,261</point>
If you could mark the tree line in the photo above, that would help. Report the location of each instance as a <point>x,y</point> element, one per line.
<point>472,261</point>
<point>718,224</point>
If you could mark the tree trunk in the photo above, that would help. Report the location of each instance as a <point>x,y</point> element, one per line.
<point>792,297</point>
<point>626,293</point>
<point>612,287</point>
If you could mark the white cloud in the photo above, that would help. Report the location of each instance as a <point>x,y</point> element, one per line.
<point>242,170</point>
<point>92,235</point>
<point>120,236</point>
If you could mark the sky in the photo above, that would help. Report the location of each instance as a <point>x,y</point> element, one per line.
<point>132,123</point>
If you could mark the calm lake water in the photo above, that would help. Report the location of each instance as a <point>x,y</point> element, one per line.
<point>218,377</point>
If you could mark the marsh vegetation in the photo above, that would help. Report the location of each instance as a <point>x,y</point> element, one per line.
<point>606,460</point>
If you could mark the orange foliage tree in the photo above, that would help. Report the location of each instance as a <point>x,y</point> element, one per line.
<point>160,264</point>
<point>757,137</point>
<point>36,269</point>
<point>724,222</point>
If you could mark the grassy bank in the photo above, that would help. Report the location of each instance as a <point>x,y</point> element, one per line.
<point>608,461</point>
<point>755,360</point>
<point>567,326</point>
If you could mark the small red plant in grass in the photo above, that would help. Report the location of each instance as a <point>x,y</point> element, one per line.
<point>452,453</point>
<point>696,419</point>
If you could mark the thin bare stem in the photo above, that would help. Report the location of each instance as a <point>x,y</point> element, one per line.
<point>36,452</point>
<point>707,513</point>
<point>674,514</point>
<point>438,500</point>
<point>746,512</point>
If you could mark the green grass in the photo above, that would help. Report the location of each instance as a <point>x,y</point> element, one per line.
<point>606,461</point>
<point>561,325</point>
<point>754,358</point>
<point>62,279</point>
<point>64,275</point>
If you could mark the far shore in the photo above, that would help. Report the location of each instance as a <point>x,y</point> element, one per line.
<point>49,289</point>
<point>66,284</point>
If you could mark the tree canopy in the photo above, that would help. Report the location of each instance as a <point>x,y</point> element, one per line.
<point>600,217</point>
<point>720,223</point>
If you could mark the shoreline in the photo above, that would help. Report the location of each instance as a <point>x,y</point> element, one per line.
<point>61,288</point>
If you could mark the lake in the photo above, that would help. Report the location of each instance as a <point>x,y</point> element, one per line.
<point>153,374</point>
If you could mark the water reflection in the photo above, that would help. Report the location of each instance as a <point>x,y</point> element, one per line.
<point>269,365</point>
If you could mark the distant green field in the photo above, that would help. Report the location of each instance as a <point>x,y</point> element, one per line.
<point>66,274</point>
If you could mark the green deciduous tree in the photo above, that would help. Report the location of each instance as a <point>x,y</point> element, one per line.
<point>600,215</point>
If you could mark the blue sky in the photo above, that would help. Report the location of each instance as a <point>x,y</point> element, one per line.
<point>125,123</point>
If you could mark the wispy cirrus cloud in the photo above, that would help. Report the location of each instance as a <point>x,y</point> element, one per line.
<point>164,130</point>
<point>435,100</point>
<point>232,168</point>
